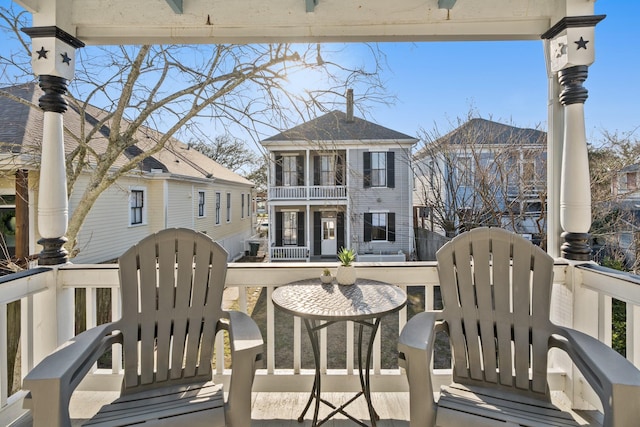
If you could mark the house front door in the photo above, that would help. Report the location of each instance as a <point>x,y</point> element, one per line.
<point>329,245</point>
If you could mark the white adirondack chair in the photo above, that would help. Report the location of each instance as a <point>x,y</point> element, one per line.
<point>496,291</point>
<point>171,287</point>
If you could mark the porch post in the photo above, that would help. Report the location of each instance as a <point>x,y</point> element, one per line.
<point>571,51</point>
<point>53,61</point>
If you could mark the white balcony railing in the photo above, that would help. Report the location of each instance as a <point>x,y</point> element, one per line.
<point>314,192</point>
<point>328,192</point>
<point>47,305</point>
<point>288,253</point>
<point>287,193</point>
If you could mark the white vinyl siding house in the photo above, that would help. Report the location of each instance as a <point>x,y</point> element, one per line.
<point>176,188</point>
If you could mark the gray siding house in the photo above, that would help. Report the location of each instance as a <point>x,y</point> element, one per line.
<point>340,181</point>
<point>483,173</point>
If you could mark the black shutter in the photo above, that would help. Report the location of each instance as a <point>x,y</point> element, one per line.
<point>300,169</point>
<point>339,170</point>
<point>316,170</point>
<point>366,169</point>
<point>391,170</point>
<point>278,228</point>
<point>317,233</point>
<point>301,239</point>
<point>340,231</point>
<point>278,171</point>
<point>391,227</point>
<point>367,227</point>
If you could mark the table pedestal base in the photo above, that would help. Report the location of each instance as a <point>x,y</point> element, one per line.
<point>363,372</point>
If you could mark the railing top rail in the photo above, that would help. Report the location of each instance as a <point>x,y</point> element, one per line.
<point>24,283</point>
<point>621,285</point>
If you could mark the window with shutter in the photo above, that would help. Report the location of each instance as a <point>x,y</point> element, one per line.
<point>379,226</point>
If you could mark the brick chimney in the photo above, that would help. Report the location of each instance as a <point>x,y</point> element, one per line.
<point>349,105</point>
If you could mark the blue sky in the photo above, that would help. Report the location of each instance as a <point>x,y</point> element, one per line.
<point>506,81</point>
<point>437,83</point>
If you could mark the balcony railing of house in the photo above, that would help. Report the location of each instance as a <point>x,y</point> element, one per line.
<point>328,192</point>
<point>288,253</point>
<point>314,192</point>
<point>526,192</point>
<point>46,299</point>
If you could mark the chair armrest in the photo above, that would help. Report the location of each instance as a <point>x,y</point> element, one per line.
<point>246,353</point>
<point>53,380</point>
<point>615,380</point>
<point>415,349</point>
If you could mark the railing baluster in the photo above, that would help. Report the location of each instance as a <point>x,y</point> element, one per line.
<point>349,343</point>
<point>323,349</point>
<point>116,313</point>
<point>26,330</point>
<point>4,366</point>
<point>633,333</point>
<point>271,335</point>
<point>297,344</point>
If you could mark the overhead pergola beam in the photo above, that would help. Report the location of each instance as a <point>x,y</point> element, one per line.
<point>176,5</point>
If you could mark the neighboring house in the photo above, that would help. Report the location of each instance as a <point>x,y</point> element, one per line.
<point>177,187</point>
<point>340,181</point>
<point>482,173</point>
<point>624,230</point>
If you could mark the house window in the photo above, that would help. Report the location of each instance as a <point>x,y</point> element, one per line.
<point>632,181</point>
<point>242,205</point>
<point>228,207</point>
<point>379,169</point>
<point>217,208</point>
<point>289,171</point>
<point>201,204</point>
<point>379,226</point>
<point>327,170</point>
<point>136,203</point>
<point>464,170</point>
<point>248,205</point>
<point>528,172</point>
<point>290,228</point>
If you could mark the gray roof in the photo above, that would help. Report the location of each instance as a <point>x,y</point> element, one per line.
<point>13,117</point>
<point>482,131</point>
<point>21,131</point>
<point>334,126</point>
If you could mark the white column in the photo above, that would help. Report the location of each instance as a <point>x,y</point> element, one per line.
<point>53,60</point>
<point>570,51</point>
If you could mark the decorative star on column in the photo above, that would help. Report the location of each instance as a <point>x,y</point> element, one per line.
<point>65,58</point>
<point>559,49</point>
<point>582,43</point>
<point>42,53</point>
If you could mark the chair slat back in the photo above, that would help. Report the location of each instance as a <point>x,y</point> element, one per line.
<point>496,290</point>
<point>171,286</point>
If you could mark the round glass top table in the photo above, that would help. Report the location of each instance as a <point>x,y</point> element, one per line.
<point>320,305</point>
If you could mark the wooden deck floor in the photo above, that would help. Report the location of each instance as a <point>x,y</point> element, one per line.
<point>281,409</point>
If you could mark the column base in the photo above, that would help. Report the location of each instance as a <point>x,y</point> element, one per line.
<point>53,252</point>
<point>576,246</point>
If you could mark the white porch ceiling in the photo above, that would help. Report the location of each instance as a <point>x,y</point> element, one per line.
<point>257,21</point>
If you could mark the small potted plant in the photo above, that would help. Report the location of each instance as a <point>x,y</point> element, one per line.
<point>326,277</point>
<point>346,274</point>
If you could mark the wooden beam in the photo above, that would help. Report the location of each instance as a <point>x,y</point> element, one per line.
<point>176,6</point>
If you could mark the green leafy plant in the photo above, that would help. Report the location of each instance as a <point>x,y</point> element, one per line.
<point>326,272</point>
<point>346,256</point>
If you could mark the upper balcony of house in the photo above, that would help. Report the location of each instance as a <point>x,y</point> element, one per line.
<point>309,175</point>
